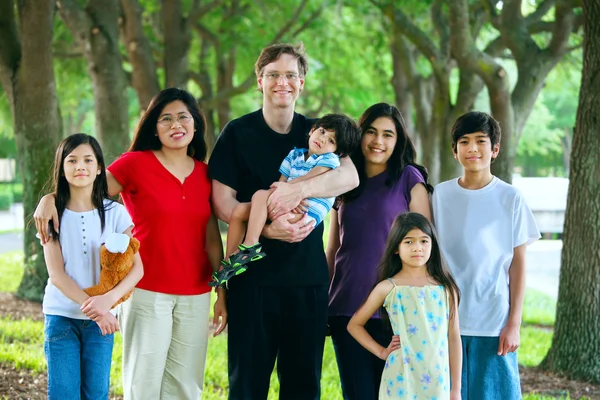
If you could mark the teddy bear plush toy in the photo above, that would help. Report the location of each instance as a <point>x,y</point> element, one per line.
<point>116,260</point>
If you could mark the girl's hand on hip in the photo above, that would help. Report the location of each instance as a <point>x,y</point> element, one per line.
<point>455,394</point>
<point>393,346</point>
<point>97,306</point>
<point>281,229</point>
<point>220,312</point>
<point>108,324</point>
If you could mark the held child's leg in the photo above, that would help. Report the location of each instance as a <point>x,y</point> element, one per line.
<point>62,350</point>
<point>96,355</point>
<point>258,217</point>
<point>237,227</point>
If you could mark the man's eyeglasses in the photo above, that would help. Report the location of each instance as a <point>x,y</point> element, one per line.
<point>168,120</point>
<point>275,76</point>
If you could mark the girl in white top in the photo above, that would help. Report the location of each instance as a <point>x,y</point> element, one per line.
<point>78,329</point>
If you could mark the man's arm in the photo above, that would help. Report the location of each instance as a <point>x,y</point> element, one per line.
<point>224,201</point>
<point>510,337</point>
<point>340,180</point>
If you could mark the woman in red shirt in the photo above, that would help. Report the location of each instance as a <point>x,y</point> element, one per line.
<point>164,184</point>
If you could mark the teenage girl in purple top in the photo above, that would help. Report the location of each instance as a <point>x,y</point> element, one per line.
<point>390,183</point>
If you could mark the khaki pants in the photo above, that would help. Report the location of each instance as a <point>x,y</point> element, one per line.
<point>164,345</point>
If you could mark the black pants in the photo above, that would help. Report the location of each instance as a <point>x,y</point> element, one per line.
<point>360,370</point>
<point>283,323</point>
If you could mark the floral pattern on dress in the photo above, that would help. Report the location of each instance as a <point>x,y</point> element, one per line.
<point>419,370</point>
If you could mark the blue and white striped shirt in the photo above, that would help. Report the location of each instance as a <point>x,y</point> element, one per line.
<point>294,166</point>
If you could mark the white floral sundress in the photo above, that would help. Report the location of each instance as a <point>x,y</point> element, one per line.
<point>419,370</point>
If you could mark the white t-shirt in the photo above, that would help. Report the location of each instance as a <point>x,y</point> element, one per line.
<point>80,240</point>
<point>477,232</point>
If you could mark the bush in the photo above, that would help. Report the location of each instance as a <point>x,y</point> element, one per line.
<point>15,188</point>
<point>6,199</point>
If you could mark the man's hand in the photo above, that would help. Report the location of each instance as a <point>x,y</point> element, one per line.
<point>393,346</point>
<point>97,307</point>
<point>281,229</point>
<point>44,213</point>
<point>510,339</point>
<point>284,199</point>
<point>108,324</point>
<point>220,312</point>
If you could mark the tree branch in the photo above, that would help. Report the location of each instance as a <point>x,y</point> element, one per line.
<point>563,25</point>
<point>288,26</point>
<point>465,51</point>
<point>514,31</point>
<point>10,50</point>
<point>206,34</point>
<point>197,11</point>
<point>490,6</point>
<point>540,11</point>
<point>440,23</point>
<point>144,79</point>
<point>421,40</point>
<point>76,19</point>
<point>312,17</point>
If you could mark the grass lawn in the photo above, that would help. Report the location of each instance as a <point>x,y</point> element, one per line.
<point>21,343</point>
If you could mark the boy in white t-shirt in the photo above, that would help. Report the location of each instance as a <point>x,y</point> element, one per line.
<point>484,227</point>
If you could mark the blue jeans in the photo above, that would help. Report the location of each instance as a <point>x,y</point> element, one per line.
<point>360,371</point>
<point>78,357</point>
<point>485,374</point>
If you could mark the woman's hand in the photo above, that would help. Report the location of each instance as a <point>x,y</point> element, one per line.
<point>393,346</point>
<point>220,312</point>
<point>44,213</point>
<point>108,324</point>
<point>97,307</point>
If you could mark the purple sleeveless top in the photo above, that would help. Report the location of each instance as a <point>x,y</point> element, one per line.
<point>364,226</point>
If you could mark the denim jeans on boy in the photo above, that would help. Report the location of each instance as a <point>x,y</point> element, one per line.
<point>78,357</point>
<point>485,374</point>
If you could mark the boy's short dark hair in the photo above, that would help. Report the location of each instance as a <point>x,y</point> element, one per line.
<point>347,132</point>
<point>475,121</point>
<point>272,53</point>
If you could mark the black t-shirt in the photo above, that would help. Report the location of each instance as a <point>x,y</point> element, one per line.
<point>246,158</point>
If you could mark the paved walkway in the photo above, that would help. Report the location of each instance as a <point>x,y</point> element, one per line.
<point>543,266</point>
<point>12,219</point>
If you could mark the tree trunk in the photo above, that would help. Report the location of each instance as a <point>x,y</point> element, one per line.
<point>575,347</point>
<point>27,75</point>
<point>97,31</point>
<point>144,79</point>
<point>177,44</point>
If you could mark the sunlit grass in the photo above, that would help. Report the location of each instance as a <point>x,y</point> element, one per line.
<point>22,343</point>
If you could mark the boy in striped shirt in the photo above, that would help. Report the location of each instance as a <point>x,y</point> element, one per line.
<point>333,136</point>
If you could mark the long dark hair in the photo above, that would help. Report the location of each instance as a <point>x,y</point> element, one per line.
<point>60,186</point>
<point>404,152</point>
<point>145,137</point>
<point>391,263</point>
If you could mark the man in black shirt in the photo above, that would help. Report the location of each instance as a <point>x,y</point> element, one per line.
<point>278,308</point>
